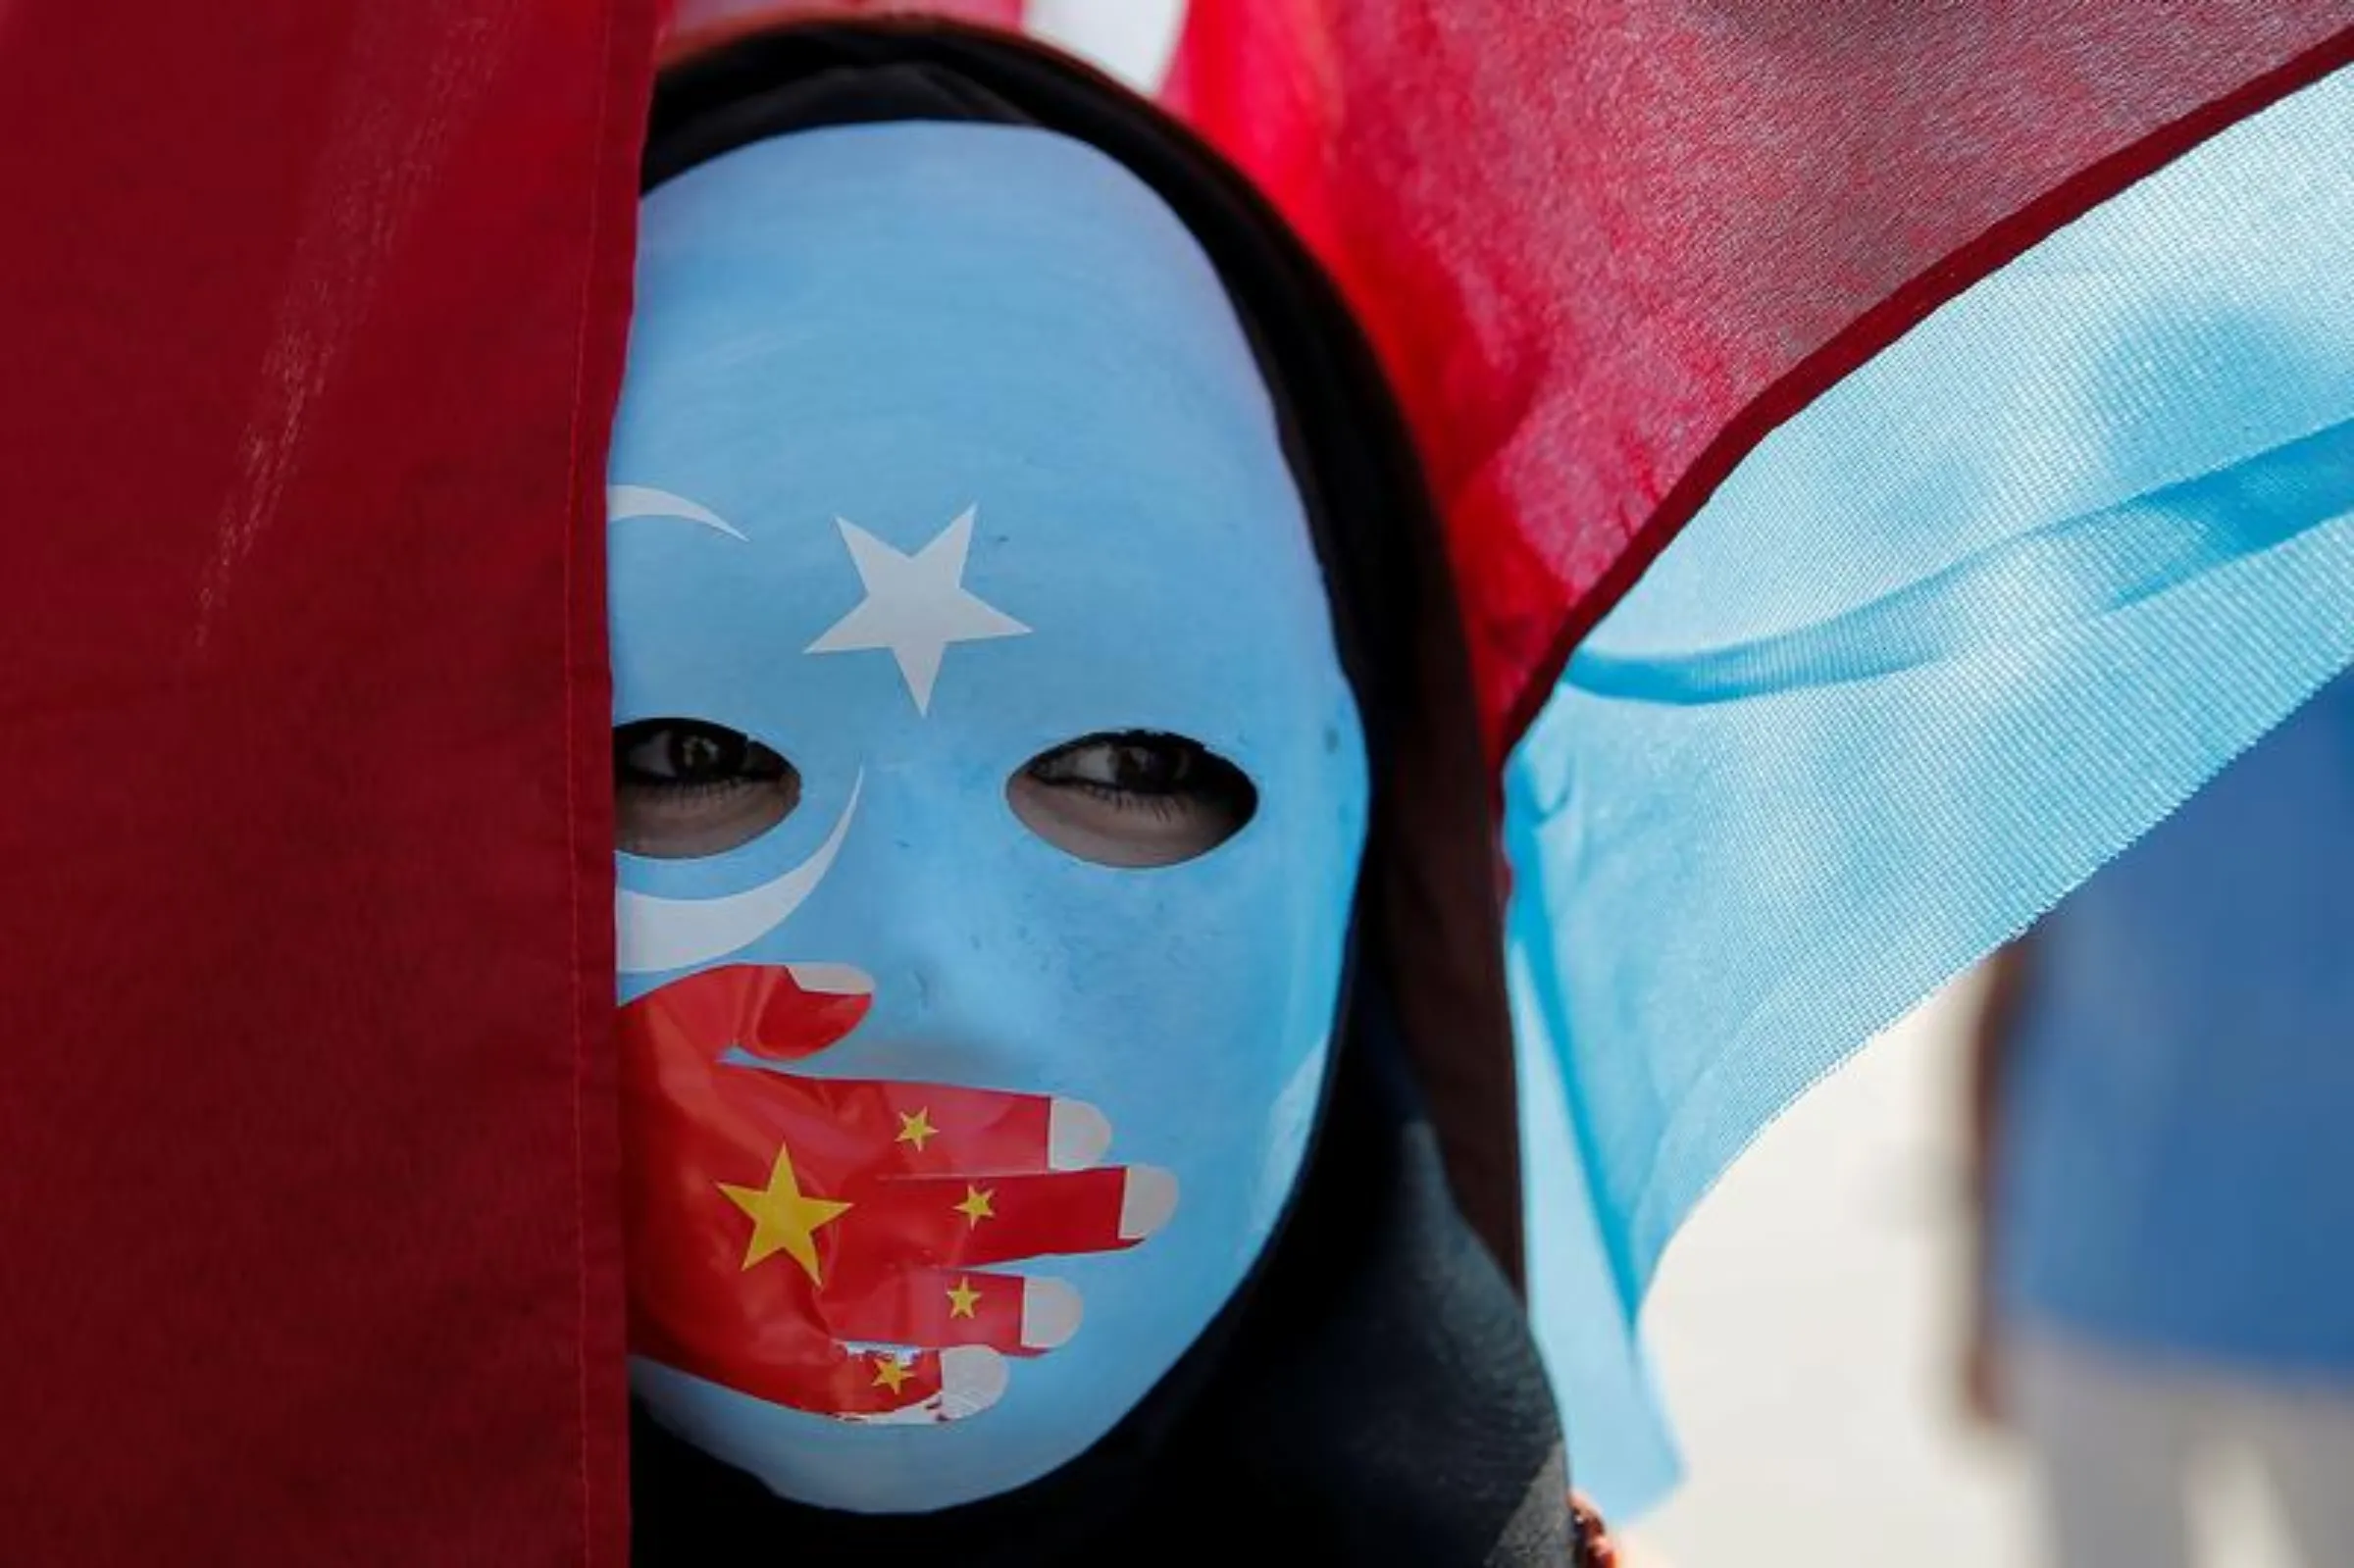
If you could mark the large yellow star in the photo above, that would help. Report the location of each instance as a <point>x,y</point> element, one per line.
<point>917,1127</point>
<point>975,1207</point>
<point>890,1373</point>
<point>962,1298</point>
<point>782,1219</point>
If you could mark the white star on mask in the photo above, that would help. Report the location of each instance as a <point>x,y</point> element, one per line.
<point>915,605</point>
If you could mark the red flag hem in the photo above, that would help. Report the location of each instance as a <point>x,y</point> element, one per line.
<point>1898,313</point>
<point>604,305</point>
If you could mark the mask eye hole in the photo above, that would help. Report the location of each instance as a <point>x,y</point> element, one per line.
<point>684,788</point>
<point>1133,800</point>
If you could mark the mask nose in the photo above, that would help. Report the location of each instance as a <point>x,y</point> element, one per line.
<point>941,910</point>
<point>915,985</point>
<point>918,900</point>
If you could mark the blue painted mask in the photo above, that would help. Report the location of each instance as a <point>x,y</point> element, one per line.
<point>992,799</point>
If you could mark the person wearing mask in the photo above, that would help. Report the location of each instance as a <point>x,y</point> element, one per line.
<point>1035,700</point>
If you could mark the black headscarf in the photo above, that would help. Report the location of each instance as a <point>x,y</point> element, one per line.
<point>1371,1395</point>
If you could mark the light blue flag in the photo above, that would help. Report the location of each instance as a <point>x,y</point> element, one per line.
<point>1947,640</point>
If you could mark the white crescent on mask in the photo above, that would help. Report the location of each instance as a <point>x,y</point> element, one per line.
<point>627,502</point>
<point>655,934</point>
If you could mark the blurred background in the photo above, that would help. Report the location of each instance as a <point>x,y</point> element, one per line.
<point>1808,1326</point>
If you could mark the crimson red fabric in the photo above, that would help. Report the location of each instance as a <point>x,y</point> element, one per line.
<point>1605,245</point>
<point>690,26</point>
<point>309,1238</point>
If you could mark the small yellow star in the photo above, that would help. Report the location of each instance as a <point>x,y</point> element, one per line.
<point>782,1219</point>
<point>917,1127</point>
<point>890,1373</point>
<point>962,1300</point>
<point>975,1207</point>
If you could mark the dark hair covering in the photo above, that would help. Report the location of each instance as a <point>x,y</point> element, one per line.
<point>1373,1394</point>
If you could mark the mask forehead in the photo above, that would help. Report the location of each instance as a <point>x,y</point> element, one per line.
<point>887,328</point>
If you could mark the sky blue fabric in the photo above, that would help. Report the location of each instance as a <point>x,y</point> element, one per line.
<point>2177,1171</point>
<point>1949,639</point>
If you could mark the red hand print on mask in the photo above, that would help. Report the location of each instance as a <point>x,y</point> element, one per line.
<point>828,1244</point>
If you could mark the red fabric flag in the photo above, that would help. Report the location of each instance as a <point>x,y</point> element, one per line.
<point>688,26</point>
<point>314,319</point>
<point>1605,245</point>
